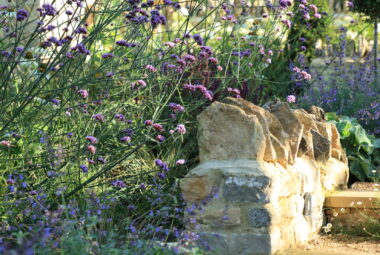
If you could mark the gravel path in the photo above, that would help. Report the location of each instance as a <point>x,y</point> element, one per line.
<point>339,245</point>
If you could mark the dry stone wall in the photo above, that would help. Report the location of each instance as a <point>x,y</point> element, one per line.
<point>262,176</point>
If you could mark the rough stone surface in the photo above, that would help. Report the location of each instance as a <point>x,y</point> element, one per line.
<point>292,126</point>
<point>247,189</point>
<point>214,242</point>
<point>195,189</point>
<point>221,216</point>
<point>259,217</point>
<point>318,112</point>
<point>251,109</point>
<point>321,146</point>
<point>227,132</point>
<point>251,244</point>
<point>306,145</point>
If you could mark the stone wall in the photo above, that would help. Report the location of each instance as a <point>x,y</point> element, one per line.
<point>263,173</point>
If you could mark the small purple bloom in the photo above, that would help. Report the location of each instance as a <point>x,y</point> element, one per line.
<point>84,168</point>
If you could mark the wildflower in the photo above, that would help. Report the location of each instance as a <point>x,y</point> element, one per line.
<point>92,139</point>
<point>285,3</point>
<point>198,39</point>
<point>180,162</point>
<point>69,134</point>
<point>91,148</point>
<point>160,138</point>
<point>84,168</point>
<point>327,228</point>
<point>176,107</point>
<point>109,74</point>
<point>213,60</point>
<point>5,143</point>
<point>291,99</point>
<point>306,75</point>
<point>156,18</point>
<point>287,23</point>
<point>47,10</point>
<point>21,14</point>
<point>56,101</point>
<point>189,58</point>
<point>161,164</point>
<point>99,117</point>
<point>108,55</point>
<point>140,83</point>
<point>151,68</point>
<point>219,68</point>
<point>125,139</point>
<point>102,160</point>
<point>33,193</point>
<point>158,127</point>
<point>181,129</point>
<point>170,44</point>
<point>119,116</point>
<point>80,30</point>
<point>349,4</point>
<point>118,184</point>
<point>83,93</point>
<point>148,123</point>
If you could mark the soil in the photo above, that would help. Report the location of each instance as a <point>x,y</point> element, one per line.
<point>339,244</point>
<point>366,186</point>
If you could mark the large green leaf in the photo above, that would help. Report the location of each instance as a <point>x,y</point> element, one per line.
<point>360,167</point>
<point>344,127</point>
<point>376,143</point>
<point>362,139</point>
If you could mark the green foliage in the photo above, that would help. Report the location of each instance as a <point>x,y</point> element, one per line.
<point>311,30</point>
<point>362,149</point>
<point>370,8</point>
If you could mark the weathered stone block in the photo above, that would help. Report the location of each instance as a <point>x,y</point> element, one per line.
<point>252,189</point>
<point>251,244</point>
<point>221,216</point>
<point>214,242</point>
<point>292,126</point>
<point>195,189</point>
<point>322,147</point>
<point>219,139</point>
<point>259,217</point>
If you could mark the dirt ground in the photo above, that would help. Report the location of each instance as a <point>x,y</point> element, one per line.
<point>339,244</point>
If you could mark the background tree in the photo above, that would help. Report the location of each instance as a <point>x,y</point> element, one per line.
<point>371,8</point>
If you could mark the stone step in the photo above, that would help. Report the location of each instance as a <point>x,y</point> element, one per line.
<point>353,199</point>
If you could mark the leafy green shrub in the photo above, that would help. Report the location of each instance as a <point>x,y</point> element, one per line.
<point>362,149</point>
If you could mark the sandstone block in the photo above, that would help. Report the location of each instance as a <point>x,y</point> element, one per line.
<point>306,145</point>
<point>221,216</point>
<point>195,189</point>
<point>292,126</point>
<point>251,109</point>
<point>318,112</point>
<point>226,132</point>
